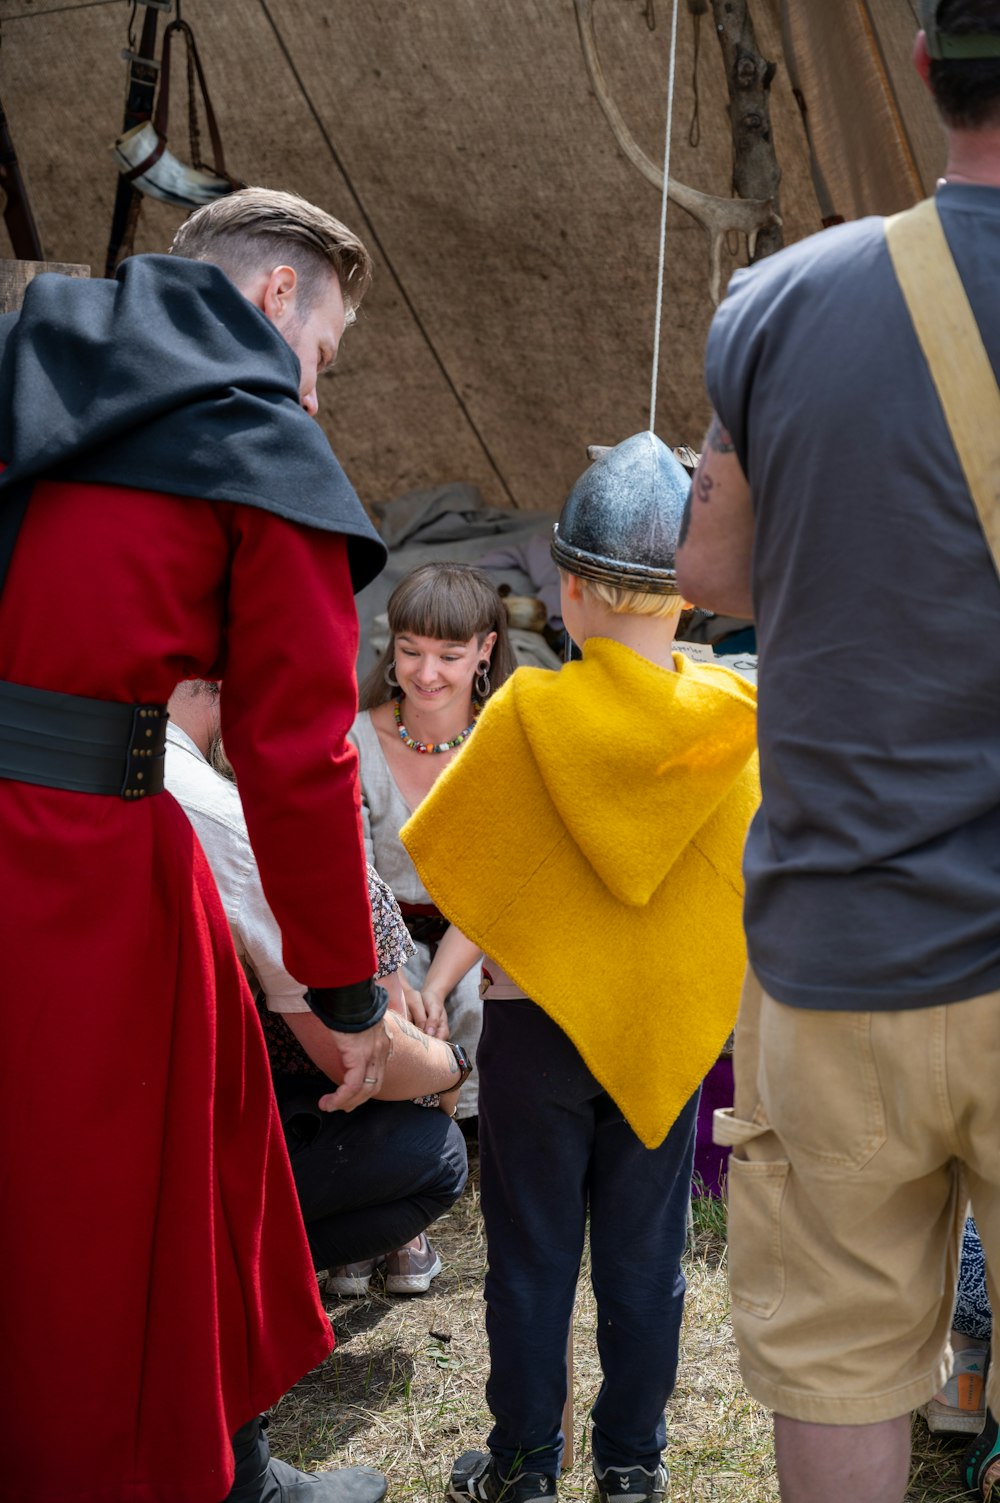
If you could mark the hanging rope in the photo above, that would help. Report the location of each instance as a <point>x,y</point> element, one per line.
<point>663,220</point>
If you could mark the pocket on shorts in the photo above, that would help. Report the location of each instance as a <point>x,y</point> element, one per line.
<point>756,1258</point>
<point>819,1085</point>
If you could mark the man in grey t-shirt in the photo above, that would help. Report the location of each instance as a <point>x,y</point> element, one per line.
<point>831,506</point>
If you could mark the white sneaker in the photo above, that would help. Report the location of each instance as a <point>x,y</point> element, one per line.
<point>409,1270</point>
<point>351,1280</point>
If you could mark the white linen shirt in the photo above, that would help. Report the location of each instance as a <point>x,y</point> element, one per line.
<point>212,804</point>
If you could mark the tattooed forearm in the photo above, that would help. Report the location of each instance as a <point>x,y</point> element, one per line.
<point>405,1027</point>
<point>718,438</point>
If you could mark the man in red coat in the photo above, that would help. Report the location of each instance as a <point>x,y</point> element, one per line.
<point>168,510</point>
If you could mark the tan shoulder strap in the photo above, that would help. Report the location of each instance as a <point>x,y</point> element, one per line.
<point>953,348</point>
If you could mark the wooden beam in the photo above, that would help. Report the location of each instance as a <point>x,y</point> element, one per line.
<point>15,276</point>
<point>756,173</point>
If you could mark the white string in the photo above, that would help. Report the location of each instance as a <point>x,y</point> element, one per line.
<point>663,221</point>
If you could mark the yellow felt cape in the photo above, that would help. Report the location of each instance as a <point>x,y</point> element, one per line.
<point>589,838</point>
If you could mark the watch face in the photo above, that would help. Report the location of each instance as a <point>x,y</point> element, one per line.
<point>462,1057</point>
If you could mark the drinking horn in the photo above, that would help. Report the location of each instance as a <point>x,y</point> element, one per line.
<point>145,161</point>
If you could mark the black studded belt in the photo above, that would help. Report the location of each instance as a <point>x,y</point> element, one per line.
<point>83,745</point>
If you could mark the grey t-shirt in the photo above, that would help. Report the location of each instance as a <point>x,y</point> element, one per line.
<point>873,867</point>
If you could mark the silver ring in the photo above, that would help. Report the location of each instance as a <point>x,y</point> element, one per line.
<point>370,1079</point>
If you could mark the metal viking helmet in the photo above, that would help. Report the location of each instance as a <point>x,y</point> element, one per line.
<point>952,46</point>
<point>622,519</point>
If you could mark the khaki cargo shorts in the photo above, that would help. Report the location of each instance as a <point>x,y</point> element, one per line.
<point>858,1140</point>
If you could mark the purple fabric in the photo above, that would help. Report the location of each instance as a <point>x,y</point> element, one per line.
<point>710,1162</point>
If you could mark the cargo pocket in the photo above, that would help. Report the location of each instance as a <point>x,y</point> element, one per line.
<point>755,1196</point>
<point>819,1081</point>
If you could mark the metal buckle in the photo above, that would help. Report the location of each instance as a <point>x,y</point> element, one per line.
<point>146,754</point>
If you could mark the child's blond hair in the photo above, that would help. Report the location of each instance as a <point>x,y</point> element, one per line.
<point>622,602</point>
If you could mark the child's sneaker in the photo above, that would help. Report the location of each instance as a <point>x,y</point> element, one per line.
<point>981,1463</point>
<point>631,1484</point>
<point>474,1479</point>
<point>960,1407</point>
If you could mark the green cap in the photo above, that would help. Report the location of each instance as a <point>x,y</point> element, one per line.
<point>942,44</point>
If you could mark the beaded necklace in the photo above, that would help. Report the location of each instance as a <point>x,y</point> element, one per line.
<point>430,746</point>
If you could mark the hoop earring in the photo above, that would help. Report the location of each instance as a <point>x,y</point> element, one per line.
<point>483,680</point>
<point>389,674</point>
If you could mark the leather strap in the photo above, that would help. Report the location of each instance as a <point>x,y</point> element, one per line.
<point>138,109</point>
<point>162,114</point>
<point>56,740</point>
<point>956,356</point>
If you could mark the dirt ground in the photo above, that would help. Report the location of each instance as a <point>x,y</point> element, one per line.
<point>404,1389</point>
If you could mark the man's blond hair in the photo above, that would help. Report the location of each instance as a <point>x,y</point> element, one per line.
<point>255,229</point>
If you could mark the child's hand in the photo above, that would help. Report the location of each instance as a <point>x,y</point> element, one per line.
<point>436,1018</point>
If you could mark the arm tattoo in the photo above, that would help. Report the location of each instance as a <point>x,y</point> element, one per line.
<point>703,486</point>
<point>685,520</point>
<point>718,438</point>
<point>407,1028</point>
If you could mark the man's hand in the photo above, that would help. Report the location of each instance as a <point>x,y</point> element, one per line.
<point>716,542</point>
<point>365,1056</point>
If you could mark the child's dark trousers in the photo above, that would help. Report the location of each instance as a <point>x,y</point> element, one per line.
<point>554,1146</point>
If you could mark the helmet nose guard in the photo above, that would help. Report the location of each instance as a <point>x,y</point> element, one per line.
<point>622,519</point>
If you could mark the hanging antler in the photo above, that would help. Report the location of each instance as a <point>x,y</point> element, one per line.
<point>717,216</point>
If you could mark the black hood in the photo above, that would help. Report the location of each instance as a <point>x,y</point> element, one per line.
<point>168,379</point>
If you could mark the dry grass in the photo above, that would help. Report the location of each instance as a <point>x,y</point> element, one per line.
<point>404,1390</point>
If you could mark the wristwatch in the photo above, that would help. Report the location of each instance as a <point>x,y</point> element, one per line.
<point>464,1064</point>
<point>462,1060</point>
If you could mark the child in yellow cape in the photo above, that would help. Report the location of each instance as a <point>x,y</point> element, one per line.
<point>588,842</point>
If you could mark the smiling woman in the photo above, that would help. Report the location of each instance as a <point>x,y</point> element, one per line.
<point>448,651</point>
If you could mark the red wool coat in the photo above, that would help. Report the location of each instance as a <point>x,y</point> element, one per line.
<point>155,1285</point>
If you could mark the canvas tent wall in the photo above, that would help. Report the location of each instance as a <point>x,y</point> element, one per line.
<point>511,321</point>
